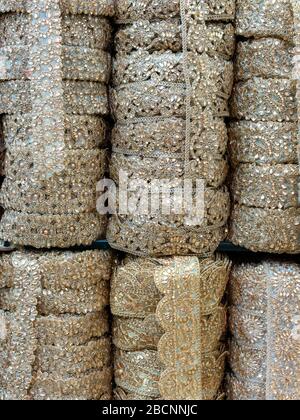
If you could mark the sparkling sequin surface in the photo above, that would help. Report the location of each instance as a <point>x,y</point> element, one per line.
<point>264,135</point>
<point>55,67</point>
<point>54,341</point>
<point>168,326</point>
<point>152,9</point>
<point>166,127</point>
<point>264,315</point>
<point>93,7</point>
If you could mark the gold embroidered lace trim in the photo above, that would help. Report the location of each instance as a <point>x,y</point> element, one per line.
<point>181,357</point>
<point>179,313</point>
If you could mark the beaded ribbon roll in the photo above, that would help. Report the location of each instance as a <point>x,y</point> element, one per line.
<point>264,322</point>
<point>172,78</point>
<point>54,328</point>
<point>168,326</point>
<point>54,71</point>
<point>264,135</point>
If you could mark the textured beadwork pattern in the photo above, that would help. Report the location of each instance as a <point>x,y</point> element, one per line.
<point>150,138</point>
<point>93,7</point>
<point>275,230</point>
<point>134,10</point>
<point>82,31</point>
<point>54,340</point>
<point>172,79</point>
<point>255,100</point>
<point>265,18</point>
<point>154,230</point>
<point>67,192</point>
<point>264,322</point>
<point>266,186</point>
<point>96,67</point>
<point>84,40</point>
<point>82,132</point>
<point>55,67</point>
<point>79,97</point>
<point>212,171</point>
<point>267,57</point>
<point>263,138</point>
<point>51,231</point>
<point>216,38</point>
<point>296,69</point>
<point>168,325</point>
<point>263,143</point>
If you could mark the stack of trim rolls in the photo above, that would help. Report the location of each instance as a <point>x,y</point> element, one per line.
<point>264,322</point>
<point>54,328</point>
<point>55,67</point>
<point>171,83</point>
<point>169,322</point>
<point>263,139</point>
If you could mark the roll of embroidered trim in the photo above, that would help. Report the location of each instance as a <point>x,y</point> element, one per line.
<point>172,78</point>
<point>264,134</point>
<point>168,327</point>
<point>54,328</point>
<point>264,322</point>
<point>54,71</point>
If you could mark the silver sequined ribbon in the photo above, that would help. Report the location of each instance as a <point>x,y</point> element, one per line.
<point>46,86</point>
